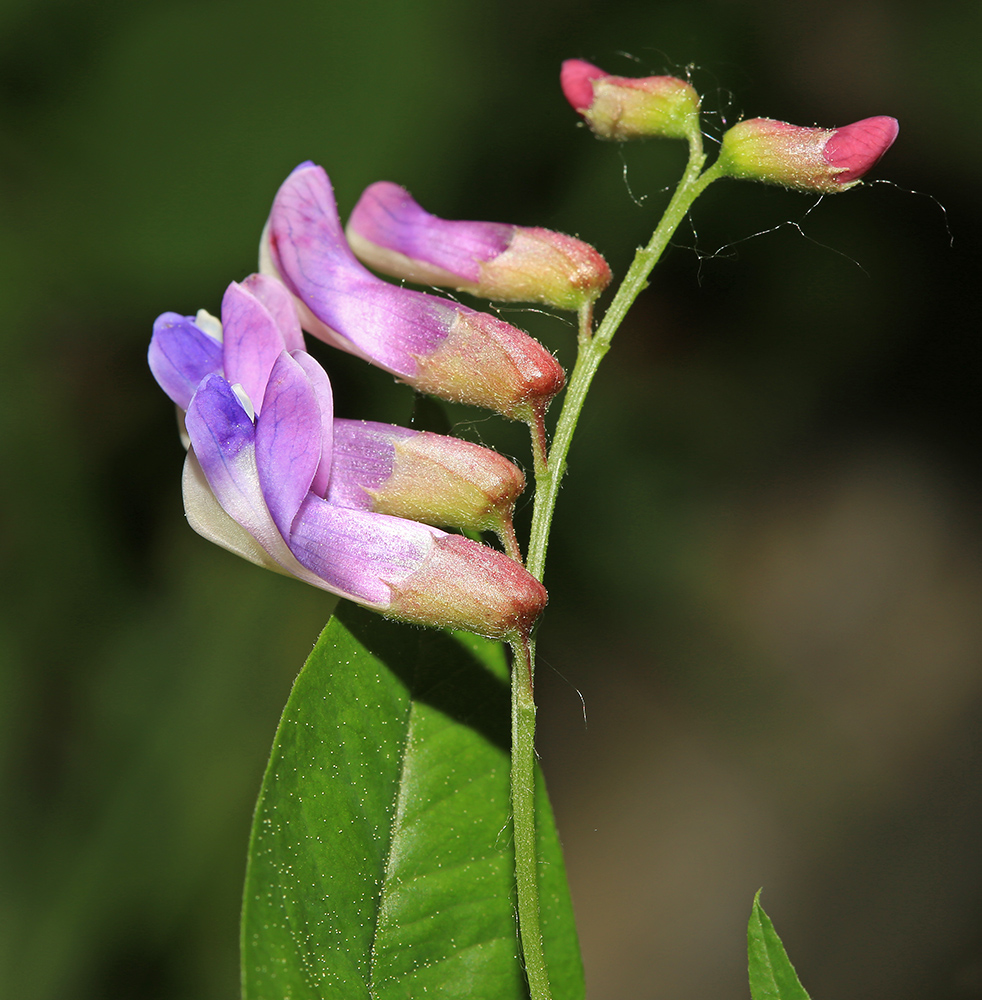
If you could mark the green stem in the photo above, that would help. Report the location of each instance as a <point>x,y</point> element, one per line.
<point>549,469</point>
<point>592,350</point>
<point>523,818</point>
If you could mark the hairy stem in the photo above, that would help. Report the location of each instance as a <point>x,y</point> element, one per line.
<point>523,818</point>
<point>549,469</point>
<point>593,349</point>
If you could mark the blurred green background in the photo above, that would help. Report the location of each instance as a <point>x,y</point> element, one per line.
<point>765,576</point>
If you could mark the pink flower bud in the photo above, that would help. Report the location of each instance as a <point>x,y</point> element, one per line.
<point>807,159</point>
<point>422,476</point>
<point>389,231</point>
<point>623,107</point>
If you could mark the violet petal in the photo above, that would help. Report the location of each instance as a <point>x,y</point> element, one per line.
<point>181,355</point>
<point>280,305</point>
<point>253,341</point>
<point>223,438</point>
<point>210,520</point>
<point>387,216</point>
<point>385,324</point>
<point>363,459</point>
<point>287,441</point>
<point>321,386</point>
<point>358,554</point>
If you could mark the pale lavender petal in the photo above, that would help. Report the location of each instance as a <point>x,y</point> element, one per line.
<point>210,520</point>
<point>223,438</point>
<point>364,454</point>
<point>387,216</point>
<point>358,554</point>
<point>387,325</point>
<point>181,355</point>
<point>321,386</point>
<point>274,295</point>
<point>288,441</point>
<point>253,341</point>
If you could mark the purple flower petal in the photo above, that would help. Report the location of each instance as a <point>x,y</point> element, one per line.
<point>387,217</point>
<point>253,341</point>
<point>210,520</point>
<point>287,441</point>
<point>387,325</point>
<point>181,355</point>
<point>357,554</point>
<point>223,438</point>
<point>364,455</point>
<point>280,305</point>
<point>321,386</point>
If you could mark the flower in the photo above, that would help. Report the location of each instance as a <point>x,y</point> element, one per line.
<point>258,477</point>
<point>808,159</point>
<point>625,107</point>
<point>435,345</point>
<point>423,476</point>
<point>389,231</point>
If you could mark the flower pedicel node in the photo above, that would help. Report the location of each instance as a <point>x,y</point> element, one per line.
<point>807,159</point>
<point>258,479</point>
<point>435,345</point>
<point>625,107</point>
<point>390,232</point>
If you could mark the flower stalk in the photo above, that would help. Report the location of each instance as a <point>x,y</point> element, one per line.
<point>549,472</point>
<point>523,818</point>
<point>593,347</point>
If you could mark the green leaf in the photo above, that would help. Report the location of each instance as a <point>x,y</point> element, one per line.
<point>381,863</point>
<point>772,976</point>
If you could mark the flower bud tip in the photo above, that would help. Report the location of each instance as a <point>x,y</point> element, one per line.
<point>857,148</point>
<point>576,78</point>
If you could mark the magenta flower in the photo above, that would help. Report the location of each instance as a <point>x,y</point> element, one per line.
<point>808,159</point>
<point>435,345</point>
<point>259,473</point>
<point>626,107</point>
<point>389,231</point>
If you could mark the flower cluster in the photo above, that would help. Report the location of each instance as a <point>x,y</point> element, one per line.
<point>357,507</point>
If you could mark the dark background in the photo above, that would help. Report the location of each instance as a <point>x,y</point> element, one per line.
<point>765,575</point>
